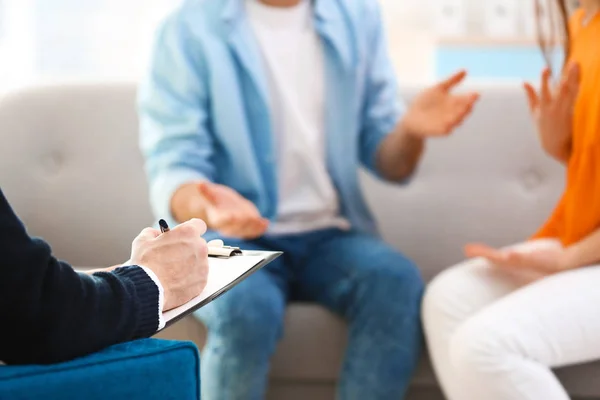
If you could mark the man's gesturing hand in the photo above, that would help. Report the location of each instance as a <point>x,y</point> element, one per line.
<point>231,214</point>
<point>179,258</point>
<point>436,111</point>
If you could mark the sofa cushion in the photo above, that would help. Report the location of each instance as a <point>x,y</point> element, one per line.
<point>312,349</point>
<point>140,370</point>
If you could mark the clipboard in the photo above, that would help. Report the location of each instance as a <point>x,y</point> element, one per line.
<point>221,279</point>
<point>216,248</point>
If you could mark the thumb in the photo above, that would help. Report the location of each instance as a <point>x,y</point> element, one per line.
<point>147,234</point>
<point>473,250</point>
<point>532,97</point>
<point>207,190</point>
<point>453,80</point>
<point>194,225</point>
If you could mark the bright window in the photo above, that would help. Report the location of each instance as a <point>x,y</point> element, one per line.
<point>44,40</point>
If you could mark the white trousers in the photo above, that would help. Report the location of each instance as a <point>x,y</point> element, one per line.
<point>495,335</point>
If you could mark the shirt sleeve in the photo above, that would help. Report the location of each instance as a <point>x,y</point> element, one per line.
<point>382,108</point>
<point>161,296</point>
<point>173,109</point>
<point>51,313</point>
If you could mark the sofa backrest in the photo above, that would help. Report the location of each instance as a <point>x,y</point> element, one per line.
<point>488,182</point>
<point>71,167</point>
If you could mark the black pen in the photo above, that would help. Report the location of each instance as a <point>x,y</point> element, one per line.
<point>164,227</point>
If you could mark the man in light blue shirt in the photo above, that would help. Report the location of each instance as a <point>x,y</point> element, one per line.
<point>255,116</point>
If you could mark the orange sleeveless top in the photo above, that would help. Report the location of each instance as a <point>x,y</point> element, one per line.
<point>578,212</point>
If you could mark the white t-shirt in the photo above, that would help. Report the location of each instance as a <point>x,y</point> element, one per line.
<point>293,55</point>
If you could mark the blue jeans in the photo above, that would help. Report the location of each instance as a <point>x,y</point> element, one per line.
<point>375,288</point>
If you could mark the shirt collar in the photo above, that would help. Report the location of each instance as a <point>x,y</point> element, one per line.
<point>331,23</point>
<point>324,10</point>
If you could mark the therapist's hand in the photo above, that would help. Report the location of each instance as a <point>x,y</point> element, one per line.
<point>227,212</point>
<point>179,258</point>
<point>436,111</point>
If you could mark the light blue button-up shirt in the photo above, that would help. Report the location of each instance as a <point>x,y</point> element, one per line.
<point>204,112</point>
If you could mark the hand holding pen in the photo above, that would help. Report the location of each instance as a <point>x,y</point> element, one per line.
<point>179,259</point>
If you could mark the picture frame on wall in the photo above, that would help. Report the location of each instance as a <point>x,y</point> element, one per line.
<point>450,18</point>
<point>501,18</point>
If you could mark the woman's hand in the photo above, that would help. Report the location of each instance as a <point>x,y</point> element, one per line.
<point>552,111</point>
<point>548,256</point>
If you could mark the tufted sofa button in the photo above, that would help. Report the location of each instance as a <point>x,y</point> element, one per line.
<point>532,179</point>
<point>52,162</point>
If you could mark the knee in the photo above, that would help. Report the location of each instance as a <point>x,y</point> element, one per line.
<point>246,316</point>
<point>476,347</point>
<point>392,287</point>
<point>439,299</point>
<point>395,277</point>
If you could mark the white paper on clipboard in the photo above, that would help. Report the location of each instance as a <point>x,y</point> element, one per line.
<point>223,273</point>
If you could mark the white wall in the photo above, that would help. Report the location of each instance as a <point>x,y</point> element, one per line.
<point>413,39</point>
<point>17,36</point>
<point>411,42</point>
<point>109,39</point>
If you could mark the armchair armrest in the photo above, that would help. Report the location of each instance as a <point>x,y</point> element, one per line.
<point>148,369</point>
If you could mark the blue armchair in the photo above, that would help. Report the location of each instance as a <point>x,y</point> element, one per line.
<point>148,369</point>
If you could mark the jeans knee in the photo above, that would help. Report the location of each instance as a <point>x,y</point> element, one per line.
<point>400,277</point>
<point>389,293</point>
<point>246,318</point>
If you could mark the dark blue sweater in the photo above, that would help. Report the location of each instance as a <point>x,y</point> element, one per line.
<point>50,313</point>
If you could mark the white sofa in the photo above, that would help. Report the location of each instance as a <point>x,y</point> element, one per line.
<point>70,165</point>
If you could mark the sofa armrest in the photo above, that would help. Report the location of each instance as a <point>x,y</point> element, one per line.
<point>148,369</point>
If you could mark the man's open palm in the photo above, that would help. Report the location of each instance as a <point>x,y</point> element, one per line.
<point>436,111</point>
<point>231,214</point>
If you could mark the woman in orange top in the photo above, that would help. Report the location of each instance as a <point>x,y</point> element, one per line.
<point>498,323</point>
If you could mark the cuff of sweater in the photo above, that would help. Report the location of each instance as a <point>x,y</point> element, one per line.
<point>161,296</point>
<point>147,294</point>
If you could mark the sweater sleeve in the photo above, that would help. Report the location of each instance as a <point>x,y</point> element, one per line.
<point>50,313</point>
